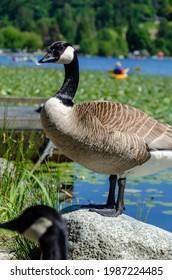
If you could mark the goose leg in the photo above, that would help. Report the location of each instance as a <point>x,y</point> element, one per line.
<point>110,203</point>
<point>111,196</point>
<point>120,199</point>
<point>48,151</point>
<point>108,209</point>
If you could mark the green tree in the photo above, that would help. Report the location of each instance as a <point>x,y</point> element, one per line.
<point>137,37</point>
<point>54,32</point>
<point>164,38</point>
<point>121,47</point>
<point>163,8</point>
<point>104,15</point>
<point>43,28</point>
<point>31,41</point>
<point>25,19</point>
<point>41,8</point>
<point>2,40</point>
<point>111,43</point>
<point>122,12</point>
<point>63,19</point>
<point>86,34</point>
<point>12,38</point>
<point>164,29</point>
<point>66,22</point>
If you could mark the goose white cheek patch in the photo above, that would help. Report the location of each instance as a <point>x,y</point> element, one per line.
<point>67,56</point>
<point>37,229</point>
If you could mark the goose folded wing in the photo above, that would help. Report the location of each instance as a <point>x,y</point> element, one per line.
<point>104,133</point>
<point>124,118</point>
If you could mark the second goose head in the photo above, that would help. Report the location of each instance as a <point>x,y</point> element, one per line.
<point>43,225</point>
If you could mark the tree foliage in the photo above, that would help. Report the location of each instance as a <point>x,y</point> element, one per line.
<point>164,38</point>
<point>137,37</point>
<point>14,39</point>
<point>99,27</point>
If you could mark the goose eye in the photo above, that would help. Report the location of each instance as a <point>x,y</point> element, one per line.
<point>55,52</point>
<point>60,48</point>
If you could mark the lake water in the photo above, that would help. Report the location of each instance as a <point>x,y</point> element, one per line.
<point>147,66</point>
<point>148,199</point>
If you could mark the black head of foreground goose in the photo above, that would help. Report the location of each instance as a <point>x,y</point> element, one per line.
<point>105,137</point>
<point>43,225</point>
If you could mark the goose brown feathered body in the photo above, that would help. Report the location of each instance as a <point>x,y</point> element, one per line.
<point>105,137</point>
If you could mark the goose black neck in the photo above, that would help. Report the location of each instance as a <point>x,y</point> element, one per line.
<point>54,244</point>
<point>70,84</point>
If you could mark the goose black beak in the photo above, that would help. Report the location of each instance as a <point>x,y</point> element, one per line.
<point>8,225</point>
<point>11,225</point>
<point>47,58</point>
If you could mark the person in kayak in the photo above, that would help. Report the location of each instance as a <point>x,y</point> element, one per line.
<point>118,68</point>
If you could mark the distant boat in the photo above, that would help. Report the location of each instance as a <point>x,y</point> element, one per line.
<point>23,58</point>
<point>160,54</point>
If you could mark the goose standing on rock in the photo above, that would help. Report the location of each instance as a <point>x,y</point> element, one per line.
<point>44,225</point>
<point>105,137</point>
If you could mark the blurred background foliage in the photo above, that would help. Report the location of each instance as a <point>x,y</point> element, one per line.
<point>109,28</point>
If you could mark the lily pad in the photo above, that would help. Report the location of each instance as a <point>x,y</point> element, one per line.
<point>167,212</point>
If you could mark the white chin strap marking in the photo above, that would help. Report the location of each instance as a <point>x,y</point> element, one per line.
<point>37,229</point>
<point>67,56</point>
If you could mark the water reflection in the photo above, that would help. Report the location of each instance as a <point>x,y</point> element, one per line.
<point>148,199</point>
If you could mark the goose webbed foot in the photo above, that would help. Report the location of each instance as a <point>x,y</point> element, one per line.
<point>108,210</point>
<point>102,209</point>
<point>95,206</point>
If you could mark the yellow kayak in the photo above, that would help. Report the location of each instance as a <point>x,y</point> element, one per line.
<point>120,76</point>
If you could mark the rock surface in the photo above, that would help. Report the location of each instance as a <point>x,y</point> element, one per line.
<point>92,236</point>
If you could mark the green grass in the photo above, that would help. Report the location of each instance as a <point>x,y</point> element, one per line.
<point>148,93</point>
<point>25,189</point>
<point>21,187</point>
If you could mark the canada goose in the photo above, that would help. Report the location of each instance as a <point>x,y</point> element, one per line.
<point>105,137</point>
<point>44,225</point>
